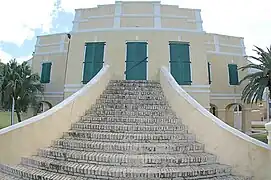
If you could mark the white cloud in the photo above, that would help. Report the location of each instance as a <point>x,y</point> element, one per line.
<point>20,18</point>
<point>246,18</point>
<point>4,57</point>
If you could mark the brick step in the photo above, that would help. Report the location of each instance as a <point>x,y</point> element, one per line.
<point>30,173</point>
<point>134,137</point>
<point>131,107</point>
<point>154,120</point>
<point>4,176</point>
<point>130,128</point>
<point>136,113</point>
<point>149,92</point>
<point>133,88</point>
<point>124,147</point>
<point>229,178</point>
<point>135,83</point>
<point>95,171</point>
<point>131,160</point>
<point>133,97</point>
<point>130,101</point>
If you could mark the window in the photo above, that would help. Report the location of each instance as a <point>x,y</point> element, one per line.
<point>233,74</point>
<point>46,72</point>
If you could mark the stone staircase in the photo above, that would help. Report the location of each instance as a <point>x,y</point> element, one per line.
<point>130,133</point>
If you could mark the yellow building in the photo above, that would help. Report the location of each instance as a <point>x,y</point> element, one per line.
<point>136,39</point>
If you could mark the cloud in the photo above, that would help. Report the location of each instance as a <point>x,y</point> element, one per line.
<point>21,18</point>
<point>4,57</point>
<point>247,18</point>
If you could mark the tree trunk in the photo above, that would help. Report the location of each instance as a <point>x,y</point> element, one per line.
<point>18,116</point>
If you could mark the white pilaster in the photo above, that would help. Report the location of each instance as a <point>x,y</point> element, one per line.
<point>157,15</point>
<point>216,42</point>
<point>198,19</point>
<point>118,12</point>
<point>243,47</point>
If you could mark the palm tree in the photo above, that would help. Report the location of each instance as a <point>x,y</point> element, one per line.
<point>20,85</point>
<point>259,80</point>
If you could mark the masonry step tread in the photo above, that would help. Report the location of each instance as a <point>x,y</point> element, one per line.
<point>129,128</point>
<point>131,88</point>
<point>4,176</point>
<point>30,173</point>
<point>229,178</point>
<point>160,97</point>
<point>138,107</point>
<point>135,113</point>
<point>131,120</point>
<point>126,159</point>
<point>130,101</point>
<point>127,147</point>
<point>88,170</point>
<point>135,137</point>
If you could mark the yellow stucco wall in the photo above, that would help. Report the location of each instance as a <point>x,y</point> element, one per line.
<point>157,24</point>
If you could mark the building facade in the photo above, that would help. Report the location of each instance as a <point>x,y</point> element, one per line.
<point>138,38</point>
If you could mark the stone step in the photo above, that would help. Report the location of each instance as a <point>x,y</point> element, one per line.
<point>124,147</point>
<point>131,107</point>
<point>30,173</point>
<point>132,137</point>
<point>134,97</point>
<point>96,171</point>
<point>130,101</point>
<point>154,120</point>
<point>129,160</point>
<point>136,113</point>
<point>129,128</point>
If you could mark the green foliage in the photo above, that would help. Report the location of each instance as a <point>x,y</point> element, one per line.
<point>258,81</point>
<point>19,83</point>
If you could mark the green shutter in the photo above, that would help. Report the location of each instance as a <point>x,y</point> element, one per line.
<point>136,61</point>
<point>233,74</point>
<point>46,72</point>
<point>180,65</point>
<point>209,72</point>
<point>94,55</point>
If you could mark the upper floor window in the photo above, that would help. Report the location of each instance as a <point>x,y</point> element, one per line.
<point>46,72</point>
<point>233,74</point>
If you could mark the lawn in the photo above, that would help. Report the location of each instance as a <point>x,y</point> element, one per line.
<point>5,119</point>
<point>261,137</point>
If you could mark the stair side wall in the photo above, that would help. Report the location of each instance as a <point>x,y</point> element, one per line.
<point>25,138</point>
<point>248,156</point>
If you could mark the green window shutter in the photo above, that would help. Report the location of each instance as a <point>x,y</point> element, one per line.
<point>94,54</point>
<point>180,65</point>
<point>233,74</point>
<point>98,58</point>
<point>209,73</point>
<point>46,72</point>
<point>136,61</point>
<point>186,73</point>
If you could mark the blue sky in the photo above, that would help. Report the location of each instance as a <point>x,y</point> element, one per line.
<point>21,24</point>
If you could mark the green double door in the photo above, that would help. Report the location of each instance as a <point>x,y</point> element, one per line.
<point>94,59</point>
<point>180,62</point>
<point>136,61</point>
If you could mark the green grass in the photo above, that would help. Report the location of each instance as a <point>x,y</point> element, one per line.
<point>5,119</point>
<point>261,137</point>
